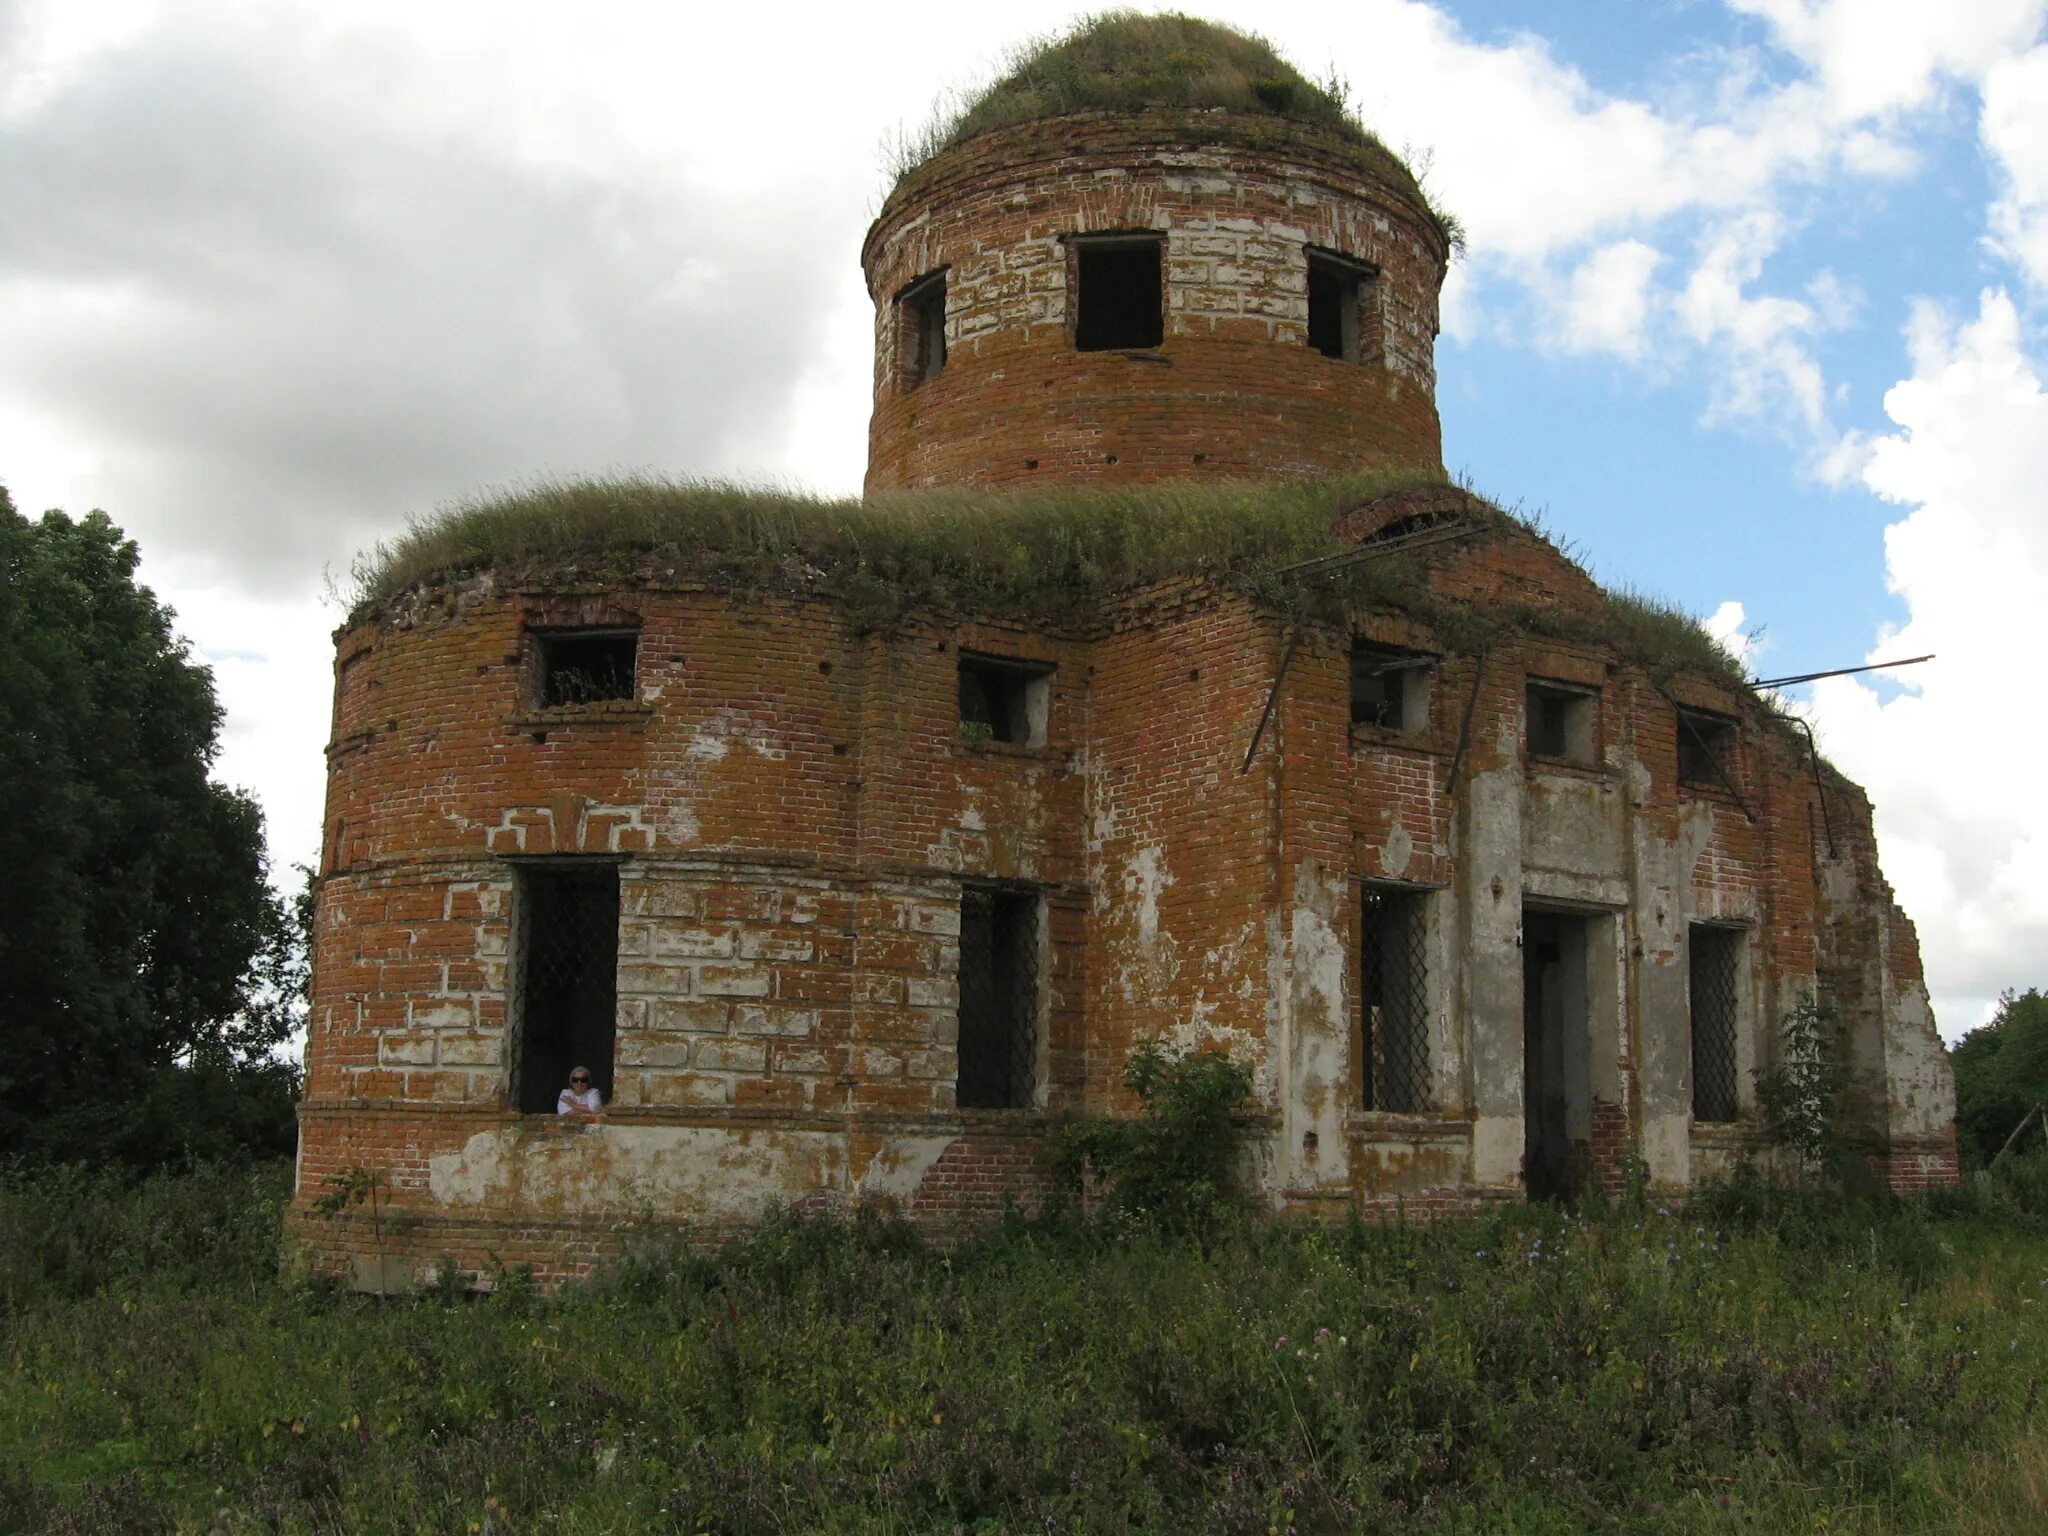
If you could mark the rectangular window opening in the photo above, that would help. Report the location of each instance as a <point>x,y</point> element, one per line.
<point>1714,964</point>
<point>1120,293</point>
<point>1394,1001</point>
<point>1390,687</point>
<point>923,309</point>
<point>1003,699</point>
<point>1560,720</point>
<point>568,980</point>
<point>1337,305</point>
<point>585,666</point>
<point>1706,749</point>
<point>999,995</point>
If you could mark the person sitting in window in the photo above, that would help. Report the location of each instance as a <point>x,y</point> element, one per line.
<point>581,1096</point>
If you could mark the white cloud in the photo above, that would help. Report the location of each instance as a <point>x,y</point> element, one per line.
<point>1607,304</point>
<point>1727,624</point>
<point>1952,755</point>
<point>1873,57</point>
<point>1770,369</point>
<point>2015,131</point>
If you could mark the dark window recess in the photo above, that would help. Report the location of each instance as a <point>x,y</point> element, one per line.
<point>1389,687</point>
<point>924,326</point>
<point>568,980</point>
<point>1394,1001</point>
<point>586,668</point>
<point>1706,749</point>
<point>998,999</point>
<point>1560,721</point>
<point>1120,296</point>
<point>1336,306</point>
<point>1002,700</point>
<point>1714,961</point>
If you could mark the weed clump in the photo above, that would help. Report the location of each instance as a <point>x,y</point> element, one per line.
<point>1179,1163</point>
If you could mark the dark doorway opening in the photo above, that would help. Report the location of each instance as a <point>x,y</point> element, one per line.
<point>1557,1114</point>
<point>568,980</point>
<point>998,998</point>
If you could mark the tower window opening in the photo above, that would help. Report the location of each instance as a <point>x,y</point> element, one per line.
<point>922,308</point>
<point>1389,687</point>
<point>568,979</point>
<point>1714,961</point>
<point>585,667</point>
<point>999,993</point>
<point>1338,305</point>
<point>1120,292</point>
<point>1002,699</point>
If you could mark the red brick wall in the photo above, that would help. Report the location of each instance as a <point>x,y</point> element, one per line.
<point>795,808</point>
<point>1234,390</point>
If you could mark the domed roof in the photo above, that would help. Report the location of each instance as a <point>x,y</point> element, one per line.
<point>1121,61</point>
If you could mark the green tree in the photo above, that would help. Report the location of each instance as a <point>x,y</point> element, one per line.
<point>2001,1073</point>
<point>136,926</point>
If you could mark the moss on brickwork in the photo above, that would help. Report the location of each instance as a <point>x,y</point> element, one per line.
<point>1049,556</point>
<point>1122,61</point>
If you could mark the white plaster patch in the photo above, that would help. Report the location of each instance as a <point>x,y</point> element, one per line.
<point>1396,854</point>
<point>899,1167</point>
<point>1146,878</point>
<point>680,825</point>
<point>708,745</point>
<point>713,1172</point>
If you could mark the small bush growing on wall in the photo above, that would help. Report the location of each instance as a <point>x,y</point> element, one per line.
<point>1801,1092</point>
<point>1178,1164</point>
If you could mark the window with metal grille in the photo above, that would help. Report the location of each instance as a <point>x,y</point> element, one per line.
<point>998,998</point>
<point>584,666</point>
<point>568,979</point>
<point>1714,959</point>
<point>923,308</point>
<point>1119,292</point>
<point>1389,687</point>
<point>1706,749</point>
<point>1394,1000</point>
<point>1337,305</point>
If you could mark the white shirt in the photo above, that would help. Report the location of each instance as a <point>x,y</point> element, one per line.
<point>570,1100</point>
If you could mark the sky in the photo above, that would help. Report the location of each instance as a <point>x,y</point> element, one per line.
<point>1752,313</point>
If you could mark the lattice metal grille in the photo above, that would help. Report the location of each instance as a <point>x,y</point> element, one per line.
<point>1394,1022</point>
<point>568,979</point>
<point>1715,960</point>
<point>998,998</point>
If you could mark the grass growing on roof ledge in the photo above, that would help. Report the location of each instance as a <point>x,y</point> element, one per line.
<point>1046,553</point>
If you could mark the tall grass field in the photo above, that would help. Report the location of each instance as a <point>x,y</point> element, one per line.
<point>1755,1362</point>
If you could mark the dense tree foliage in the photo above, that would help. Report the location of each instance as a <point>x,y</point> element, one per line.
<point>2001,1073</point>
<point>145,966</point>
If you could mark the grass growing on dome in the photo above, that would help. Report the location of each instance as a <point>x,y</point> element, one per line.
<point>1124,61</point>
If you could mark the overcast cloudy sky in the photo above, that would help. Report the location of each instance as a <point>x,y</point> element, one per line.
<point>1752,312</point>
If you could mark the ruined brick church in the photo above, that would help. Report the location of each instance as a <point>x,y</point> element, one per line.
<point>1497,902</point>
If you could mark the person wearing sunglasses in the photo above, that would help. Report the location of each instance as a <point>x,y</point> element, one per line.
<point>581,1096</point>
